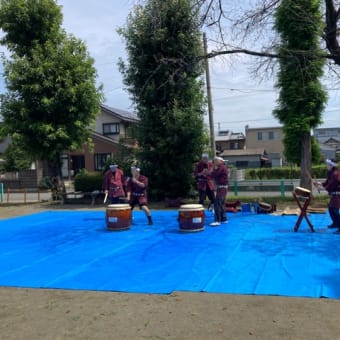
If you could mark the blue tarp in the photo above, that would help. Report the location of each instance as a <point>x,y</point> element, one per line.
<point>252,254</point>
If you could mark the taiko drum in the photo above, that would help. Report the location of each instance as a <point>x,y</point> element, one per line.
<point>191,217</point>
<point>302,192</point>
<point>118,216</point>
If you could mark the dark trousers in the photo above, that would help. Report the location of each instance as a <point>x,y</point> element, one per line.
<point>219,209</point>
<point>202,194</point>
<point>116,200</point>
<point>335,216</point>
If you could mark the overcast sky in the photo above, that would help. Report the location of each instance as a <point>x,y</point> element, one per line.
<point>238,100</point>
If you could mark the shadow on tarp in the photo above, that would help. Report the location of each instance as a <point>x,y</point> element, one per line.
<point>252,254</point>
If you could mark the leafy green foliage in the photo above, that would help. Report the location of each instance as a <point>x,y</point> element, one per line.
<point>123,163</point>
<point>28,23</point>
<point>318,171</point>
<point>162,74</point>
<point>293,148</point>
<point>52,98</point>
<point>88,181</point>
<point>302,97</point>
<point>16,158</point>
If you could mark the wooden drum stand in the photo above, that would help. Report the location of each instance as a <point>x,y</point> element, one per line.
<point>302,195</point>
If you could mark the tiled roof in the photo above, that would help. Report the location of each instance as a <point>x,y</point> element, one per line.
<point>103,138</point>
<point>123,115</point>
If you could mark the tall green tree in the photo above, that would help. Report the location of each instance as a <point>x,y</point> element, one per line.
<point>16,158</point>
<point>52,97</point>
<point>163,75</point>
<point>302,97</point>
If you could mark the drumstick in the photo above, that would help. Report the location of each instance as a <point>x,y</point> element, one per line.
<point>105,198</point>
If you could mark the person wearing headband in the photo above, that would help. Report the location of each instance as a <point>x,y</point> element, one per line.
<point>137,192</point>
<point>220,176</point>
<point>205,184</point>
<point>332,186</point>
<point>114,184</point>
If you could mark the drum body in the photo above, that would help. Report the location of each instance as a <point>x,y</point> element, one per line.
<point>118,216</point>
<point>191,217</point>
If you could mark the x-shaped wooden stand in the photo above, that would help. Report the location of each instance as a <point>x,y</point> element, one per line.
<point>303,213</point>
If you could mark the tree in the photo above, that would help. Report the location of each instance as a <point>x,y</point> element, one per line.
<point>292,150</point>
<point>253,22</point>
<point>163,42</point>
<point>51,97</point>
<point>16,158</point>
<point>302,98</point>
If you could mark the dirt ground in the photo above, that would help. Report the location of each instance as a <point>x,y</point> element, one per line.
<point>66,314</point>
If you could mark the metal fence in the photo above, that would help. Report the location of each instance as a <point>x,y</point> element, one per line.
<point>27,195</point>
<point>279,187</point>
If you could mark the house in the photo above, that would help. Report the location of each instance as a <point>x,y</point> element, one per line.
<point>111,132</point>
<point>322,134</point>
<point>269,139</point>
<point>259,147</point>
<point>228,140</point>
<point>329,141</point>
<point>111,135</point>
<point>327,151</point>
<point>242,159</point>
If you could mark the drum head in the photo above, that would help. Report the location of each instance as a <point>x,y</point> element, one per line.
<point>191,207</point>
<point>119,206</point>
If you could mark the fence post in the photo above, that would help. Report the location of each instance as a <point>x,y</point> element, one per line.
<point>235,188</point>
<point>282,188</point>
<point>2,192</point>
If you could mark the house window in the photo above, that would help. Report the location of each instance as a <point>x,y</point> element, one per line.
<point>111,129</point>
<point>259,135</point>
<point>273,135</point>
<point>100,160</point>
<point>234,146</point>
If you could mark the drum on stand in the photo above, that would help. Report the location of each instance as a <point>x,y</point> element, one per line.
<point>191,217</point>
<point>302,193</point>
<point>118,216</point>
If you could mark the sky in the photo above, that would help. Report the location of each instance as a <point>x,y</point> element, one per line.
<point>238,99</point>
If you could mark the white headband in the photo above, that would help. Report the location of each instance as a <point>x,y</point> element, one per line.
<point>330,162</point>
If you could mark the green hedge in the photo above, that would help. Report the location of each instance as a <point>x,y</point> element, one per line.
<point>318,171</point>
<point>88,181</point>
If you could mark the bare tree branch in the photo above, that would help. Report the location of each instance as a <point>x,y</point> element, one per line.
<point>288,54</point>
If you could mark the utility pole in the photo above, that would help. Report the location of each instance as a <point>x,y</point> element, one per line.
<point>210,107</point>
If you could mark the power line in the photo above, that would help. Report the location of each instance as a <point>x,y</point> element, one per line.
<point>245,121</point>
